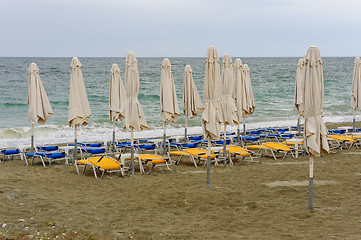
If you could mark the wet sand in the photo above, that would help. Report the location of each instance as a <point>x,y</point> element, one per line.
<point>251,201</point>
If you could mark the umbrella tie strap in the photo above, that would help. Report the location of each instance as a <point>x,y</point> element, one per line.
<point>212,100</point>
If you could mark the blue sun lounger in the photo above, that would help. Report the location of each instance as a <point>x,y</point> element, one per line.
<point>10,153</point>
<point>49,153</point>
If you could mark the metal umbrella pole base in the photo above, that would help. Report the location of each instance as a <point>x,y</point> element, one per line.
<point>209,163</point>
<point>310,185</point>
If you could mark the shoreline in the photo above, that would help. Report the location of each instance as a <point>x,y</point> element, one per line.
<point>121,135</point>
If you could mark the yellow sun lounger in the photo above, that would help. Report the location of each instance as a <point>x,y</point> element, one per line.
<point>344,140</point>
<point>194,153</point>
<point>154,160</point>
<point>274,148</point>
<point>355,137</point>
<point>240,152</point>
<point>101,163</point>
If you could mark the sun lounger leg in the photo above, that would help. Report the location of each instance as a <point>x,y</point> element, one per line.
<point>205,163</point>
<point>77,168</point>
<point>193,160</point>
<point>177,162</point>
<point>26,160</point>
<point>95,173</point>
<point>230,161</point>
<point>103,174</point>
<point>141,166</point>
<point>84,169</point>
<point>167,166</point>
<point>241,160</point>
<point>150,168</point>
<point>42,160</point>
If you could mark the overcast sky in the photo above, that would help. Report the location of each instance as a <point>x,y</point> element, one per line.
<point>168,28</point>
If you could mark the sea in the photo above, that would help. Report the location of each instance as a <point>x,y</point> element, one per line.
<point>273,82</point>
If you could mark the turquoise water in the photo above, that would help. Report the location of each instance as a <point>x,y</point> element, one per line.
<point>272,82</point>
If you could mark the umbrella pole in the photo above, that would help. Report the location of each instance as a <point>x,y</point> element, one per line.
<point>185,129</point>
<point>209,163</point>
<point>238,133</point>
<point>310,185</point>
<point>244,126</point>
<point>164,137</point>
<point>32,138</point>
<point>113,135</point>
<point>75,144</point>
<point>132,150</point>
<point>224,143</point>
<point>354,120</point>
<point>298,126</point>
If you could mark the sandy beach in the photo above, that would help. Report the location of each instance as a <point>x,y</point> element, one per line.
<point>251,201</point>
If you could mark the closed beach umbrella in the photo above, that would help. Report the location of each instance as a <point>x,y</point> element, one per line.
<point>211,116</point>
<point>79,110</point>
<point>192,104</point>
<point>239,93</point>
<point>39,105</point>
<point>356,89</point>
<point>168,98</point>
<point>117,98</point>
<point>134,116</point>
<point>315,131</point>
<point>299,85</point>
<point>248,101</point>
<point>229,109</point>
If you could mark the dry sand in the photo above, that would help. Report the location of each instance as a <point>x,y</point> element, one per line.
<point>251,201</point>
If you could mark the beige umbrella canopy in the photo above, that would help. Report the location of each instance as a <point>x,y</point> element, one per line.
<point>211,116</point>
<point>117,95</point>
<point>248,105</point>
<point>356,89</point>
<point>229,109</point>
<point>299,85</point>
<point>39,106</point>
<point>168,98</point>
<point>79,110</point>
<point>134,115</point>
<point>300,72</point>
<point>117,98</point>
<point>239,93</point>
<point>315,131</point>
<point>239,78</point>
<point>192,104</point>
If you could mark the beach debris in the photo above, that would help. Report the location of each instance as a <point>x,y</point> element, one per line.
<point>4,225</point>
<point>21,220</point>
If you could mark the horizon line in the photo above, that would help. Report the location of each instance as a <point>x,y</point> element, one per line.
<point>160,56</point>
